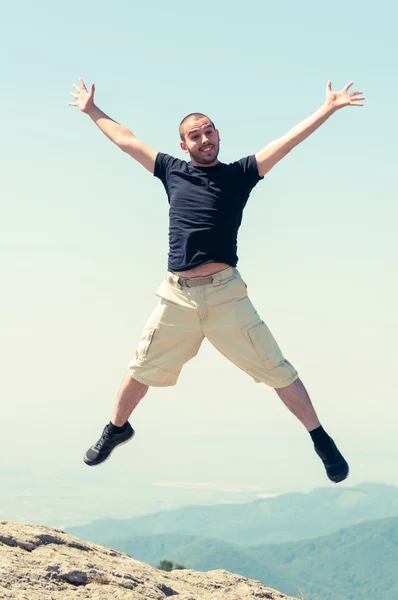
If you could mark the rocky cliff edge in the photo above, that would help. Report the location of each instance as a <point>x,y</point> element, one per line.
<point>40,563</point>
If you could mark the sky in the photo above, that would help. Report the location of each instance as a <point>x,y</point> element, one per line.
<point>83,244</point>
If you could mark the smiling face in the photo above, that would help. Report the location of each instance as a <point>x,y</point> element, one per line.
<point>201,141</point>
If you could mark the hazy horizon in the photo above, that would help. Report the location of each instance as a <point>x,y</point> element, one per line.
<point>53,502</point>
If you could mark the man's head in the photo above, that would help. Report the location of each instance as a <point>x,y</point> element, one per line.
<point>200,139</point>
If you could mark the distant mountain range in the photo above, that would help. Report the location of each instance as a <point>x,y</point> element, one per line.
<point>356,563</point>
<point>285,518</point>
<point>334,543</point>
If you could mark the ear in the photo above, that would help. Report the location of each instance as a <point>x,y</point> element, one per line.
<point>184,147</point>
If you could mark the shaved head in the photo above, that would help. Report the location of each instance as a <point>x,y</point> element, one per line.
<point>200,139</point>
<point>195,117</point>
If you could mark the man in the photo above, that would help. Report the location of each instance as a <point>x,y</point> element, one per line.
<point>203,294</point>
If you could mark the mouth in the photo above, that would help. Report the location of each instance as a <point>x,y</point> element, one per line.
<point>207,149</point>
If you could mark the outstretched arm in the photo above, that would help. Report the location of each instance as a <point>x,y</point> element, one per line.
<point>118,134</point>
<point>276,150</point>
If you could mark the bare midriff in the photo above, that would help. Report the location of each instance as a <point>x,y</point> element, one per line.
<point>203,270</point>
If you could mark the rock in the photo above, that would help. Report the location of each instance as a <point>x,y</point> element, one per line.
<point>39,563</point>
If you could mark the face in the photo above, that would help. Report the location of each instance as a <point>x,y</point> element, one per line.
<point>201,142</point>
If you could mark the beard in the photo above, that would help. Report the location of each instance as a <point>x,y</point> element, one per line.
<point>203,158</point>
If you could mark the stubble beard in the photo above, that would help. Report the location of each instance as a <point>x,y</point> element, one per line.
<point>204,159</point>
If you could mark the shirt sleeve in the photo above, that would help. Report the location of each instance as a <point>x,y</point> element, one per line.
<point>249,170</point>
<point>163,164</point>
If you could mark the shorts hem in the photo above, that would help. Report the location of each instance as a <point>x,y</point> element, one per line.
<point>152,383</point>
<point>285,383</point>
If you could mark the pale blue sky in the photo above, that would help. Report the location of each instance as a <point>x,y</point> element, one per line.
<point>84,241</point>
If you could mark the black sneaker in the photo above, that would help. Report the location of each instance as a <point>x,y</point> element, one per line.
<point>335,464</point>
<point>107,442</point>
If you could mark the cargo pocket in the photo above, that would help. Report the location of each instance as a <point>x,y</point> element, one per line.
<point>144,343</point>
<point>265,346</point>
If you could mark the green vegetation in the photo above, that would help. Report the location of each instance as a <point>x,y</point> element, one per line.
<point>326,543</point>
<point>356,563</point>
<point>167,565</point>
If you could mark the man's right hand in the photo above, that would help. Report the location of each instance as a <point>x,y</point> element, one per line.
<point>84,98</point>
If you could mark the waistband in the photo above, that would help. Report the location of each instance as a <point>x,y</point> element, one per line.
<point>214,279</point>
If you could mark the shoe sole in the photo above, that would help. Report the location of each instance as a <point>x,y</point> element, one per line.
<point>341,477</point>
<point>96,464</point>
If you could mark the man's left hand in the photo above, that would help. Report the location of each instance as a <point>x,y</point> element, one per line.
<point>337,100</point>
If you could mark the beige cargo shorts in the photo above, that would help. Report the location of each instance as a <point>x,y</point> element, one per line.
<point>217,308</point>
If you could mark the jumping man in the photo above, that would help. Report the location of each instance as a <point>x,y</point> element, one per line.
<point>203,294</point>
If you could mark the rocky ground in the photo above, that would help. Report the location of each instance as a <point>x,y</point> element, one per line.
<point>39,563</point>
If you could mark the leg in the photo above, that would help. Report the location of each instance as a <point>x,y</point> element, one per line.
<point>119,430</point>
<point>130,394</point>
<point>236,330</point>
<point>171,337</point>
<point>297,400</point>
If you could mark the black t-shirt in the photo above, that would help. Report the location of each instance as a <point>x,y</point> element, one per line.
<point>206,206</point>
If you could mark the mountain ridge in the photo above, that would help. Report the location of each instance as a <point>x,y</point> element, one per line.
<point>288,517</point>
<point>360,560</point>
